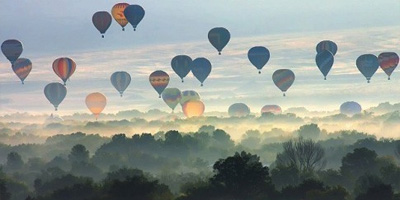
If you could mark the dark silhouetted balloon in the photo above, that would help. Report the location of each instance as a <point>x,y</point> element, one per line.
<point>102,21</point>
<point>12,49</point>
<point>367,64</point>
<point>238,110</point>
<point>350,108</point>
<point>274,109</point>
<point>55,93</point>
<point>134,14</point>
<point>327,45</point>
<point>64,68</point>
<point>201,68</point>
<point>283,79</point>
<point>388,62</point>
<point>181,65</point>
<point>172,97</point>
<point>189,95</point>
<point>324,60</point>
<point>193,108</point>
<point>159,80</point>
<point>117,12</point>
<point>120,80</point>
<point>22,67</point>
<point>258,56</point>
<point>219,38</point>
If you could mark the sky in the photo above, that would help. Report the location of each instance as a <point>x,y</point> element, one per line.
<point>289,29</point>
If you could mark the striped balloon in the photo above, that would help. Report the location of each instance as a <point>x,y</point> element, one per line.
<point>64,68</point>
<point>55,93</point>
<point>12,49</point>
<point>172,97</point>
<point>120,80</point>
<point>388,62</point>
<point>367,64</point>
<point>188,95</point>
<point>117,12</point>
<point>22,67</point>
<point>274,109</point>
<point>324,60</point>
<point>102,21</point>
<point>283,79</point>
<point>159,80</point>
<point>327,45</point>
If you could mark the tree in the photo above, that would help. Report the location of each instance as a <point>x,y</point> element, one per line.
<point>306,155</point>
<point>359,162</point>
<point>4,194</point>
<point>14,161</point>
<point>283,176</point>
<point>309,131</point>
<point>78,154</point>
<point>377,192</point>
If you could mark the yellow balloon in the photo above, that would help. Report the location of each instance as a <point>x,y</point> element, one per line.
<point>96,103</point>
<point>117,12</point>
<point>193,108</point>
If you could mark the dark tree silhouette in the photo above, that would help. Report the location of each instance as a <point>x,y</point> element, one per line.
<point>4,194</point>
<point>309,131</point>
<point>14,162</point>
<point>78,154</point>
<point>377,192</point>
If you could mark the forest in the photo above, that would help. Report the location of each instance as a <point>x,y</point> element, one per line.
<point>310,163</point>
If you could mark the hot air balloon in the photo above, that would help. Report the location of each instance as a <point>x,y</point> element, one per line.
<point>117,12</point>
<point>327,45</point>
<point>388,62</point>
<point>64,68</point>
<point>120,80</point>
<point>159,80</point>
<point>350,108</point>
<point>172,97</point>
<point>181,65</point>
<point>283,79</point>
<point>134,14</point>
<point>193,108</point>
<point>274,109</point>
<point>22,67</point>
<point>102,21</point>
<point>12,49</point>
<point>219,38</point>
<point>55,93</point>
<point>201,68</point>
<point>367,64</point>
<point>189,95</point>
<point>258,56</point>
<point>324,60</point>
<point>238,110</point>
<point>96,102</point>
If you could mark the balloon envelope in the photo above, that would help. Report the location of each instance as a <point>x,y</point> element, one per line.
<point>194,108</point>
<point>159,80</point>
<point>12,49</point>
<point>219,38</point>
<point>189,95</point>
<point>258,56</point>
<point>350,108</point>
<point>172,97</point>
<point>55,93</point>
<point>327,45</point>
<point>120,81</point>
<point>274,109</point>
<point>117,12</point>
<point>238,110</point>
<point>102,21</point>
<point>22,67</point>
<point>388,62</point>
<point>96,102</point>
<point>181,65</point>
<point>201,68</point>
<point>64,68</point>
<point>134,14</point>
<point>367,64</point>
<point>324,60</point>
<point>283,79</point>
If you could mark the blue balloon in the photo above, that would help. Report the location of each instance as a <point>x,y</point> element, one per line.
<point>367,64</point>
<point>181,65</point>
<point>219,38</point>
<point>350,108</point>
<point>324,60</point>
<point>12,49</point>
<point>134,14</point>
<point>201,69</point>
<point>258,56</point>
<point>327,45</point>
<point>55,93</point>
<point>120,80</point>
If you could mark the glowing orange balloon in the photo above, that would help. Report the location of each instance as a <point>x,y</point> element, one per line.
<point>194,108</point>
<point>117,12</point>
<point>96,103</point>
